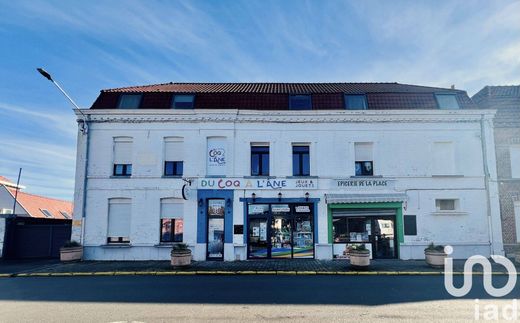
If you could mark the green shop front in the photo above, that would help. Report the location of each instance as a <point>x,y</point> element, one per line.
<point>373,220</point>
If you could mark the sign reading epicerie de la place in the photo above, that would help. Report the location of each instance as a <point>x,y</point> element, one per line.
<point>257,184</point>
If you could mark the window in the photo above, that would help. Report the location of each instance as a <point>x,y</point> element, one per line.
<point>301,161</point>
<point>410,225</point>
<point>514,153</point>
<point>183,101</point>
<point>173,156</point>
<point>443,158</point>
<point>446,204</point>
<point>122,156</point>
<point>46,213</point>
<point>129,101</point>
<point>356,102</point>
<point>172,222</point>
<point>447,101</point>
<point>119,215</point>
<point>350,229</point>
<point>259,160</point>
<point>300,102</point>
<point>364,158</point>
<point>65,215</point>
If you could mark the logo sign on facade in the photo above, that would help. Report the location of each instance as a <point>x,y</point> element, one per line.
<point>368,184</point>
<point>216,156</point>
<point>256,184</point>
<point>280,208</point>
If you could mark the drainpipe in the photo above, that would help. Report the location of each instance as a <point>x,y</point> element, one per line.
<point>486,181</point>
<point>85,180</point>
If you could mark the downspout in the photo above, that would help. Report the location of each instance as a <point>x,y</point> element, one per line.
<point>86,132</point>
<point>486,181</point>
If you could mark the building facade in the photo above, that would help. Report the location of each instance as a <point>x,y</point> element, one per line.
<point>506,101</point>
<point>277,170</point>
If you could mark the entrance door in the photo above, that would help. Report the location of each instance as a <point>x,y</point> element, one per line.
<point>383,238</point>
<point>303,241</point>
<point>216,211</point>
<point>258,246</point>
<point>281,240</point>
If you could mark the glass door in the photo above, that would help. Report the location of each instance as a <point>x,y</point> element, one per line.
<point>303,238</point>
<point>258,244</point>
<point>215,248</point>
<point>383,236</point>
<point>281,244</point>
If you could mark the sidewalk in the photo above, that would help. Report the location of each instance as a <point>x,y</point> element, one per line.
<point>295,266</point>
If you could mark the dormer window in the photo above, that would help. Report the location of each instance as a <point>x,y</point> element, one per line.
<point>129,101</point>
<point>300,102</point>
<point>183,101</point>
<point>356,102</point>
<point>447,101</point>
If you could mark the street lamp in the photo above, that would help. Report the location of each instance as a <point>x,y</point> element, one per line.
<point>44,73</point>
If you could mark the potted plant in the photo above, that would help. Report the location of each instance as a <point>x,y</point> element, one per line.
<point>359,256</point>
<point>435,255</point>
<point>181,255</point>
<point>71,251</point>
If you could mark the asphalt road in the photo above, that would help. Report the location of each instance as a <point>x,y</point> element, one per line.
<point>240,298</point>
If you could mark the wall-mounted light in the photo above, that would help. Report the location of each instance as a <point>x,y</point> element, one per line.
<point>253,196</point>
<point>307,196</point>
<point>279,196</point>
<point>201,202</point>
<point>228,202</point>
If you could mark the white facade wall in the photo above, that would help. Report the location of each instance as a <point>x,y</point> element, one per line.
<point>403,142</point>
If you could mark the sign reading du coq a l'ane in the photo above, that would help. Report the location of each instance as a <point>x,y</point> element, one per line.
<point>216,159</point>
<point>257,184</point>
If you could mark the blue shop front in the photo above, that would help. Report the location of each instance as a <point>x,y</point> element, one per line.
<point>269,221</point>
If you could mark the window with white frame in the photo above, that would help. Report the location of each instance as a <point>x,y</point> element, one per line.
<point>446,205</point>
<point>514,153</point>
<point>119,217</point>
<point>173,156</point>
<point>364,158</point>
<point>122,156</point>
<point>443,158</point>
<point>172,220</point>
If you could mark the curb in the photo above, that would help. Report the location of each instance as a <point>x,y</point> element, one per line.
<point>246,272</point>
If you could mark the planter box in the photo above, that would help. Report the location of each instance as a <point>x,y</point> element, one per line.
<point>71,254</point>
<point>181,259</point>
<point>434,258</point>
<point>358,259</point>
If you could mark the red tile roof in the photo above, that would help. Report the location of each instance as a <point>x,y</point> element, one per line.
<point>7,182</point>
<point>286,88</point>
<point>275,96</point>
<point>34,204</point>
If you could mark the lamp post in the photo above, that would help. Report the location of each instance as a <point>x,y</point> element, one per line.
<point>44,73</point>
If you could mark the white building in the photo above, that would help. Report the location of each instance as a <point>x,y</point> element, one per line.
<point>240,171</point>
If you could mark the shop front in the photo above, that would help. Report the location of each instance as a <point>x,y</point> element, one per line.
<point>376,225</point>
<point>280,230</point>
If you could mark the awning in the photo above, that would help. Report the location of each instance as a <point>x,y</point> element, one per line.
<point>365,198</point>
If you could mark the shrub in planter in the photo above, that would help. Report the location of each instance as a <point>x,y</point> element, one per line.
<point>71,251</point>
<point>180,255</point>
<point>359,256</point>
<point>435,255</point>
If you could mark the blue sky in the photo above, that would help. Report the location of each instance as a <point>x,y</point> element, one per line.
<point>91,45</point>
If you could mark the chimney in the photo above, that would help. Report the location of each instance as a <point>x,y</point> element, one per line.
<point>453,86</point>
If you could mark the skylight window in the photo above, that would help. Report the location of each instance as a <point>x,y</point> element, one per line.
<point>65,215</point>
<point>447,101</point>
<point>129,101</point>
<point>356,102</point>
<point>300,102</point>
<point>46,213</point>
<point>183,101</point>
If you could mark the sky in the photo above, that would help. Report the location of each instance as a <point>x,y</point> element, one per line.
<point>92,45</point>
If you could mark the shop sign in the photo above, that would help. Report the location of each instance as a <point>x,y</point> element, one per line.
<point>216,156</point>
<point>364,184</point>
<point>302,209</point>
<point>280,208</point>
<point>257,184</point>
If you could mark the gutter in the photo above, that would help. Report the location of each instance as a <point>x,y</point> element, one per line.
<point>486,181</point>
